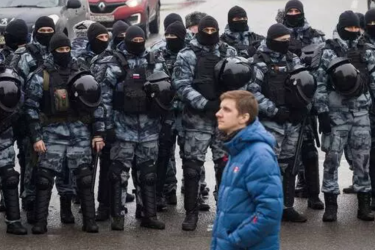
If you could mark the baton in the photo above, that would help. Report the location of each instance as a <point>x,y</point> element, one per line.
<point>95,167</point>
<point>298,148</point>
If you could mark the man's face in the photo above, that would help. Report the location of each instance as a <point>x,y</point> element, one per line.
<point>293,12</point>
<point>228,118</point>
<point>194,29</point>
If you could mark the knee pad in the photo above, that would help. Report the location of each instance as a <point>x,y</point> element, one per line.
<point>115,170</point>
<point>192,169</point>
<point>10,177</point>
<point>147,172</point>
<point>84,175</point>
<point>44,179</point>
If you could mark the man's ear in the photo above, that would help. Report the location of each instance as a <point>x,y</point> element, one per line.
<point>245,118</point>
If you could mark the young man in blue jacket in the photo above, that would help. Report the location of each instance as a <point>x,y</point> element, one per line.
<point>250,202</point>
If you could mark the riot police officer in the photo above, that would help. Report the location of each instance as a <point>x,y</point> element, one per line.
<point>59,115</point>
<point>303,35</point>
<point>10,97</point>
<point>119,29</point>
<point>237,33</point>
<point>171,126</point>
<point>194,82</point>
<point>134,129</point>
<point>273,65</point>
<point>15,35</point>
<point>26,60</point>
<point>343,112</point>
<point>98,41</point>
<point>191,22</point>
<point>80,41</point>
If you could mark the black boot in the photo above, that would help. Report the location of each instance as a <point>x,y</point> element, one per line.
<point>102,213</point>
<point>147,183</point>
<point>373,203</point>
<point>192,171</point>
<point>66,214</point>
<point>161,203</point>
<point>330,213</point>
<point>30,215</point>
<point>171,198</point>
<point>2,203</point>
<point>117,218</point>
<point>10,179</point>
<point>84,182</point>
<point>301,188</point>
<point>289,213</point>
<point>311,162</point>
<point>203,206</point>
<point>43,195</point>
<point>364,207</point>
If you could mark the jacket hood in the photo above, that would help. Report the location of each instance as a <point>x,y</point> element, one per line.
<point>254,132</point>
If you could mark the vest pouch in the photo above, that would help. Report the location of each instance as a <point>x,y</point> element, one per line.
<point>60,100</point>
<point>274,86</point>
<point>135,98</point>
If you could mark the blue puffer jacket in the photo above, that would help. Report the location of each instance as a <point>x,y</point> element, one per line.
<point>250,201</point>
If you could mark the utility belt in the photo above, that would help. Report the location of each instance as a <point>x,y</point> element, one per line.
<point>47,120</point>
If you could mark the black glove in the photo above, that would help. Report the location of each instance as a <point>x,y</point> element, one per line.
<point>282,115</point>
<point>110,135</point>
<point>324,123</point>
<point>212,106</point>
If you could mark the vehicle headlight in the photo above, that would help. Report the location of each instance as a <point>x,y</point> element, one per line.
<point>54,17</point>
<point>133,3</point>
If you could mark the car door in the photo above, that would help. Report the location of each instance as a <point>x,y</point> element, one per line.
<point>74,16</point>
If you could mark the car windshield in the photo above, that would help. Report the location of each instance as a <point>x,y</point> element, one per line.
<point>28,3</point>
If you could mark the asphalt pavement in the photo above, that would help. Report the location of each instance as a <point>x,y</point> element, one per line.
<point>346,234</point>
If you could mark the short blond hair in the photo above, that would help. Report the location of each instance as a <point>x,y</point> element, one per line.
<point>245,103</point>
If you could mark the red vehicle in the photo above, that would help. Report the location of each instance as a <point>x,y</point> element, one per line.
<point>145,13</point>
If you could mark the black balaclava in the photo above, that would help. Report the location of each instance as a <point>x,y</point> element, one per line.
<point>118,28</point>
<point>348,19</point>
<point>44,38</point>
<point>171,18</point>
<point>204,38</point>
<point>294,20</point>
<point>370,17</point>
<point>177,29</point>
<point>97,46</point>
<point>60,40</point>
<point>361,18</point>
<point>16,33</point>
<point>237,26</point>
<point>275,31</point>
<point>133,47</point>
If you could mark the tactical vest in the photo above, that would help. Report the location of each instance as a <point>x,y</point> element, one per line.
<point>245,51</point>
<point>204,81</point>
<point>296,44</point>
<point>129,95</point>
<point>169,62</point>
<point>273,86</point>
<point>55,105</point>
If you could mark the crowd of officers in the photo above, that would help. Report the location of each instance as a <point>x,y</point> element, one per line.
<point>108,96</point>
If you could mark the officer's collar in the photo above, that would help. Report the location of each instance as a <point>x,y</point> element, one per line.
<point>195,43</point>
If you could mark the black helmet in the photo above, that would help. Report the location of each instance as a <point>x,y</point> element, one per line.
<point>232,73</point>
<point>85,92</point>
<point>159,90</point>
<point>345,78</point>
<point>300,88</point>
<point>10,91</point>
